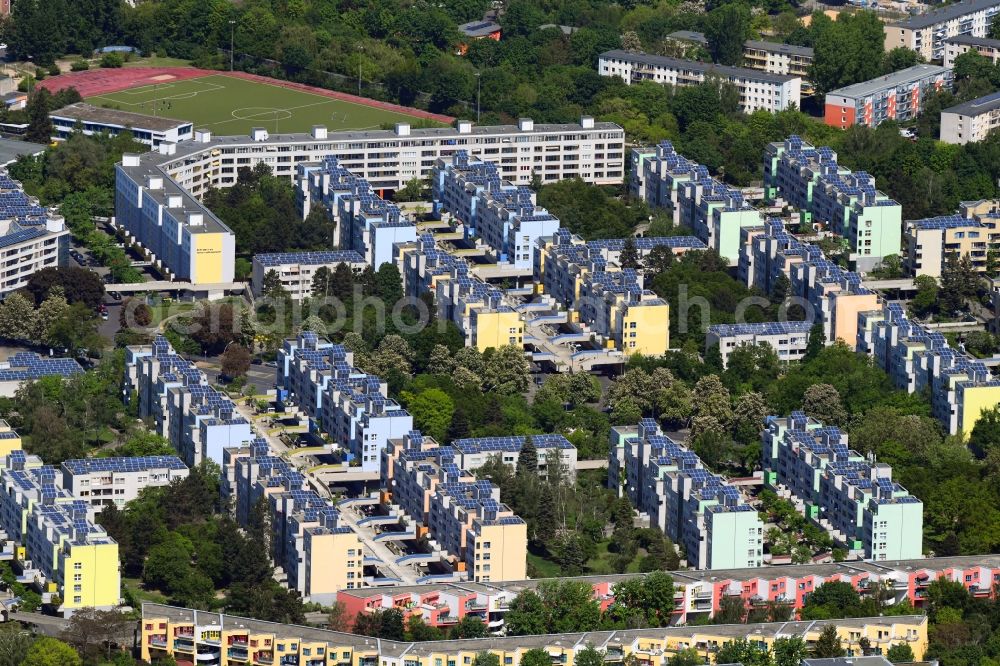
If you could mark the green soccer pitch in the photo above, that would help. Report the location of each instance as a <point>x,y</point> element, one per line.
<point>228,105</point>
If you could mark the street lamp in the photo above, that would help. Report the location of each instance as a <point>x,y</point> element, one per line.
<point>479,91</point>
<point>232,41</point>
<point>360,51</point>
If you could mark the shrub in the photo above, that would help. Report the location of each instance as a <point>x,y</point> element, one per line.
<point>80,66</point>
<point>112,60</point>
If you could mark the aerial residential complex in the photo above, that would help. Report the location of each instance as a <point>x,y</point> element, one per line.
<point>157,193</point>
<point>114,481</point>
<point>315,550</point>
<point>691,505</point>
<point>713,209</point>
<point>91,120</point>
<point>788,339</point>
<point>847,202</point>
<point>199,421</point>
<point>31,237</point>
<point>205,637</point>
<point>319,378</point>
<point>552,451</point>
<point>972,233</point>
<point>927,33</point>
<point>854,499</point>
<point>757,89</point>
<point>699,594</point>
<point>296,270</point>
<point>482,537</point>
<point>896,96</point>
<point>55,544</point>
<point>971,121</point>
<point>984,46</point>
<point>503,215</point>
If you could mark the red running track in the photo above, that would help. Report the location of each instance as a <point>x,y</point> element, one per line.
<point>104,81</point>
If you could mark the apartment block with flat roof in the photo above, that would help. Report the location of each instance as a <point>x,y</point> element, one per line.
<point>959,44</point>
<point>695,508</point>
<point>971,121</point>
<point>771,57</point>
<point>811,180</point>
<point>837,488</point>
<point>56,546</point>
<point>105,481</point>
<point>31,237</point>
<point>788,339</point>
<point>349,405</point>
<point>552,451</point>
<point>202,636</point>
<point>757,89</point>
<point>973,233</point>
<point>317,551</point>
<point>505,216</point>
<point>196,419</point>
<point>296,270</point>
<point>93,120</point>
<point>483,537</point>
<point>928,33</point>
<point>896,96</point>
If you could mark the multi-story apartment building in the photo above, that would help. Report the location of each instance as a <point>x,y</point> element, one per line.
<point>349,405</point>
<point>692,506</point>
<point>205,637</point>
<point>482,536</point>
<point>157,194</point>
<point>757,89</point>
<point>927,33</point>
<point>106,481</point>
<point>505,216</point>
<point>917,359</point>
<point>608,300</point>
<point>972,233</point>
<point>57,548</point>
<point>788,339</point>
<point>318,553</point>
<point>24,366</point>
<point>959,44</point>
<point>364,221</point>
<point>896,96</point>
<point>854,499</point>
<point>31,237</point>
<point>829,294</point>
<point>296,270</point>
<point>810,179</point>
<point>772,57</point>
<point>91,120</point>
<point>553,451</point>
<point>199,421</point>
<point>699,595</point>
<point>715,211</point>
<point>971,121</point>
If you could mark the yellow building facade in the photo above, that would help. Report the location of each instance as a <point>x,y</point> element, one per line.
<point>201,636</point>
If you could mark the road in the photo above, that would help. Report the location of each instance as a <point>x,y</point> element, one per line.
<point>46,625</point>
<point>365,535</point>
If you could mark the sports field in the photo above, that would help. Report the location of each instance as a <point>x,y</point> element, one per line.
<point>227,104</point>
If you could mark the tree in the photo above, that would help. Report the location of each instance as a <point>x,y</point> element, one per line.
<point>629,257</point>
<point>432,411</point>
<point>486,659</point>
<point>742,651</point>
<point>79,285</point>
<point>271,285</point>
<point>39,123</point>
<point>902,652</point>
<point>790,651</point>
<point>848,51</point>
<point>816,342</point>
<point>94,633</point>
<point>828,644</point>
<point>527,615</point>
<point>589,656</point>
<point>235,361</point>
<point>959,282</point>
<point>527,458</point>
<point>994,32</point>
<point>727,28</point>
<point>505,370</point>
<point>17,317</point>
<point>822,402</point>
<point>321,282</point>
<point>545,523</point>
<point>535,657</point>
<point>900,58</point>
<point>470,626</point>
<point>14,644</point>
<point>985,436</point>
<point>926,298</point>
<point>47,651</point>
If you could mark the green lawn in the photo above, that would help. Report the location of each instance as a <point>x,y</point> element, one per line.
<point>155,61</point>
<point>152,596</point>
<point>228,105</point>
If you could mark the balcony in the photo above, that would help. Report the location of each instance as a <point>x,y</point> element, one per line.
<point>238,654</point>
<point>264,657</point>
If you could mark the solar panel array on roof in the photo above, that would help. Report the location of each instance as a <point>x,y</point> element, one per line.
<point>24,366</point>
<point>123,465</point>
